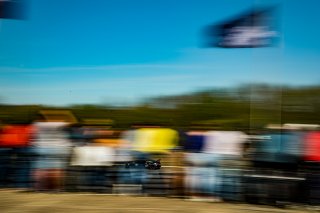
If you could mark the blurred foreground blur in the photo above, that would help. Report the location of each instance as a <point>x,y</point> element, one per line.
<point>80,202</point>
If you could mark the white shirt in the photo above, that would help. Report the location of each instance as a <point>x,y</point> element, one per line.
<point>224,142</point>
<point>93,156</point>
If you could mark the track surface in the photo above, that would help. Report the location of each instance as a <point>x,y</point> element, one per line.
<point>16,202</point>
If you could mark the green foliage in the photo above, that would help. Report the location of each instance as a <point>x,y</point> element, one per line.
<point>244,107</point>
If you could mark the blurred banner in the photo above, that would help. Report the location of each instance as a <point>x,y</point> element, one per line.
<point>251,29</point>
<point>13,9</point>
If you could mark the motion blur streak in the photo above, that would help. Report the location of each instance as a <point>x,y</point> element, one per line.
<point>118,97</point>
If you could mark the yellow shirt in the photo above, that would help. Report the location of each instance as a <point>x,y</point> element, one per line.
<point>159,140</point>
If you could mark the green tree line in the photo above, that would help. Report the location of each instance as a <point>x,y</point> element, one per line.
<point>243,107</point>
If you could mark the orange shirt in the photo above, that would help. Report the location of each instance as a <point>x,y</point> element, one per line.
<point>16,135</point>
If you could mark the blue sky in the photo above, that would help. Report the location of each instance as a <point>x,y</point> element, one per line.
<point>121,51</point>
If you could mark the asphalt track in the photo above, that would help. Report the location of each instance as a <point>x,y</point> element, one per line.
<point>17,202</point>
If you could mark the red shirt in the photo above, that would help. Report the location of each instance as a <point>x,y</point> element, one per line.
<point>312,147</point>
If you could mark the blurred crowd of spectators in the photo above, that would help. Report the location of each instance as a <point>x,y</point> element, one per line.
<point>274,166</point>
